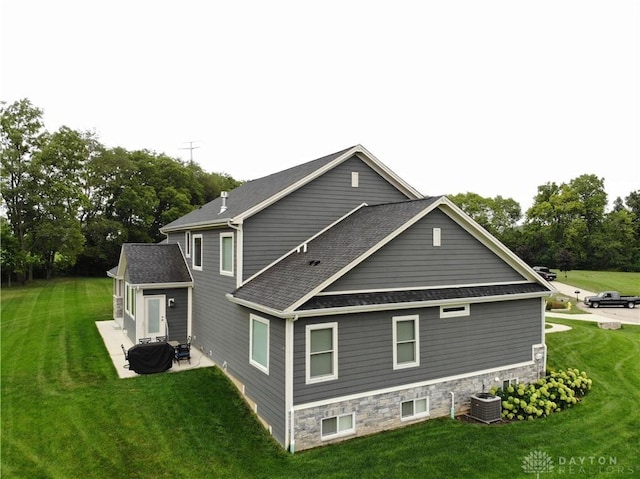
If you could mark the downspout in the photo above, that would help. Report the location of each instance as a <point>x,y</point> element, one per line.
<point>289,381</point>
<point>453,404</point>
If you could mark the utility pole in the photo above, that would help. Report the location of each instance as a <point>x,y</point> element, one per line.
<point>190,148</point>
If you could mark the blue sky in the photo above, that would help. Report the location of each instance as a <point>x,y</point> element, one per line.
<point>494,97</point>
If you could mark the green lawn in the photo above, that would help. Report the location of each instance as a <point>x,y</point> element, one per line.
<point>65,413</point>
<point>625,283</point>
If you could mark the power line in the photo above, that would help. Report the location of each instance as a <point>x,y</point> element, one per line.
<point>190,148</point>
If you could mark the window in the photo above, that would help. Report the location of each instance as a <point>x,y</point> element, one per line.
<point>130,300</point>
<point>509,382</point>
<point>197,252</point>
<point>414,409</point>
<point>322,352</point>
<point>355,179</point>
<point>437,236</point>
<point>405,342</point>
<point>226,254</point>
<point>259,343</point>
<point>454,311</point>
<point>338,426</point>
<point>187,243</point>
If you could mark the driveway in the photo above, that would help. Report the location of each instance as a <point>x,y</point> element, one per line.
<point>624,315</point>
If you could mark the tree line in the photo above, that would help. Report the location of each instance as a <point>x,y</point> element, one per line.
<point>69,203</point>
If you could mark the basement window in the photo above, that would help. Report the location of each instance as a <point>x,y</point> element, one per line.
<point>337,426</point>
<point>414,409</point>
<point>455,310</point>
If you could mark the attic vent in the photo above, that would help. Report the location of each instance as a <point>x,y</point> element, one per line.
<point>314,262</point>
<point>224,195</point>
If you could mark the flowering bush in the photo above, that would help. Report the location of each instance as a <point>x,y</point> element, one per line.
<point>557,391</point>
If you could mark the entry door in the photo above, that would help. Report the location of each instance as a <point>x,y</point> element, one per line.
<point>154,316</point>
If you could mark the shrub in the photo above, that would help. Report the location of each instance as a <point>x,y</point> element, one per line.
<point>558,390</point>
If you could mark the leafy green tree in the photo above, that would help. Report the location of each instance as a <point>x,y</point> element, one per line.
<point>497,215</point>
<point>566,216</point>
<point>22,135</point>
<point>56,230</point>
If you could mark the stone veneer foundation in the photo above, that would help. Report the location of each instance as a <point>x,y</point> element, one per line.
<point>381,412</point>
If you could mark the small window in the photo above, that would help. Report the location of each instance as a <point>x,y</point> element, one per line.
<point>454,311</point>
<point>338,426</point>
<point>187,243</point>
<point>406,348</point>
<point>226,254</point>
<point>130,300</point>
<point>321,352</point>
<point>259,343</point>
<point>355,179</point>
<point>437,236</point>
<point>509,382</point>
<point>197,252</point>
<point>414,409</point>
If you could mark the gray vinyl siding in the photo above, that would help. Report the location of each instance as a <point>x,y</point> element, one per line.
<point>494,335</point>
<point>222,327</point>
<point>411,260</point>
<point>295,218</point>
<point>176,316</point>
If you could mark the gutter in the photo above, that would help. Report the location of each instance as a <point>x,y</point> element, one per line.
<point>380,307</point>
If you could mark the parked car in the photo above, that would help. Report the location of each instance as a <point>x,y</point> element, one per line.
<point>611,298</point>
<point>545,273</point>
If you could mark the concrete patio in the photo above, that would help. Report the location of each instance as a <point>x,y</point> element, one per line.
<point>114,337</point>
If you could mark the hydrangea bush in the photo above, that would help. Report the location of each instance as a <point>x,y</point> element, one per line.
<point>556,391</point>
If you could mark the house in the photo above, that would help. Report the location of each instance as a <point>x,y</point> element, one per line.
<point>342,302</point>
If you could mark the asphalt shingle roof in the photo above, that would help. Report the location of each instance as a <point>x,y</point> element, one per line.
<point>150,263</point>
<point>252,193</point>
<point>298,274</point>
<point>415,296</point>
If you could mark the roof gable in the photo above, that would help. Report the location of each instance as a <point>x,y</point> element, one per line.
<point>253,196</point>
<point>328,255</point>
<point>289,285</point>
<point>148,263</point>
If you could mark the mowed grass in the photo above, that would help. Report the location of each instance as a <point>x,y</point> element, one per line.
<point>625,283</point>
<point>66,414</point>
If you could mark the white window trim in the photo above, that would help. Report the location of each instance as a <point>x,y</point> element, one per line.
<point>509,382</point>
<point>193,249</point>
<point>222,271</point>
<point>338,433</point>
<point>253,362</point>
<point>455,310</point>
<point>416,321</point>
<point>437,237</point>
<point>187,243</point>
<point>355,179</point>
<point>416,415</point>
<point>334,336</point>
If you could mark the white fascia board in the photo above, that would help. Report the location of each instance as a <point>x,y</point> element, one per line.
<point>415,304</point>
<point>363,257</point>
<point>298,184</point>
<point>491,242</point>
<point>359,151</point>
<point>162,285</point>
<point>259,307</point>
<point>417,288</point>
<point>384,171</point>
<point>200,225</point>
